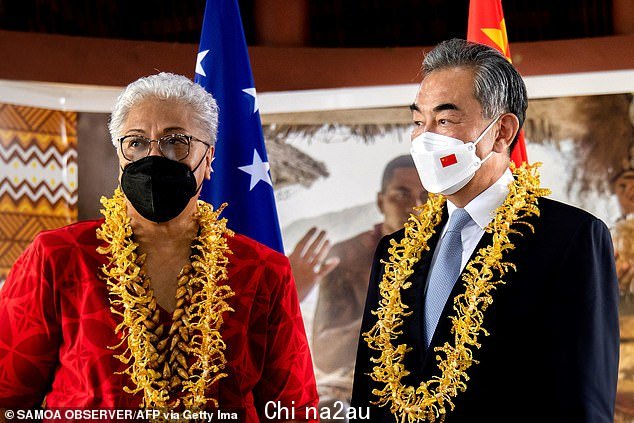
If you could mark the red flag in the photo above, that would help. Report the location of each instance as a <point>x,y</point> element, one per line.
<point>448,160</point>
<point>486,26</point>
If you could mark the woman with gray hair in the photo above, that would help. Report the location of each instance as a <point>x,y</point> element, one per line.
<point>158,305</point>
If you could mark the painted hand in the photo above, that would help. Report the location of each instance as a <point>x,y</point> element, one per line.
<point>307,261</point>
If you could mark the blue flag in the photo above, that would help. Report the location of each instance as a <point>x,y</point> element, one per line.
<point>240,170</point>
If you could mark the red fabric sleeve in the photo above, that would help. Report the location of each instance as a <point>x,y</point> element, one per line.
<point>288,379</point>
<point>29,330</point>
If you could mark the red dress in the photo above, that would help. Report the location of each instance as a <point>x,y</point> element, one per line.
<point>56,326</point>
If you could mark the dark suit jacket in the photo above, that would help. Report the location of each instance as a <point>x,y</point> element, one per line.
<point>552,352</point>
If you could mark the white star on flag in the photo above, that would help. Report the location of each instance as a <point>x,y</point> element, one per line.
<point>258,170</point>
<point>252,93</point>
<point>199,64</point>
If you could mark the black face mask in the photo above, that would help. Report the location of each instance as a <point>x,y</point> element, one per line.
<point>159,188</point>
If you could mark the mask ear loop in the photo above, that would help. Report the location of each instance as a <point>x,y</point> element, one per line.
<point>482,134</point>
<point>198,165</point>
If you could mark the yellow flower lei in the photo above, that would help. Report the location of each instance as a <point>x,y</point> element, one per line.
<point>123,274</point>
<point>430,400</point>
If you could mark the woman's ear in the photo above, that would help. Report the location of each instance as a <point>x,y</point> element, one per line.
<point>209,158</point>
<point>509,126</point>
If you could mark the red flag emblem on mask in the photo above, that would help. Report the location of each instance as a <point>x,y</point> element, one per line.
<point>448,160</point>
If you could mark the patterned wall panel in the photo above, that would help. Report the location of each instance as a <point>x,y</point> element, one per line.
<point>38,176</point>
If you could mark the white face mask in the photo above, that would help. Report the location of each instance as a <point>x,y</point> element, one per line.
<point>446,164</point>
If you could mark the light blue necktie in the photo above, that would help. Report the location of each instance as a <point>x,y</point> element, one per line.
<point>445,272</point>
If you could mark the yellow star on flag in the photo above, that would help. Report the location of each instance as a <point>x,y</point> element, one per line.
<point>498,36</point>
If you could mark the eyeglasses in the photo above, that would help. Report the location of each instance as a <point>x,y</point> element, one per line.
<point>173,146</point>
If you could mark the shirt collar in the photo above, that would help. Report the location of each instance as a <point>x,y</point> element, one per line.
<point>482,208</point>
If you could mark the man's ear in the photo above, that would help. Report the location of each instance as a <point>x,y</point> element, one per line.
<point>379,201</point>
<point>509,126</point>
<point>209,158</point>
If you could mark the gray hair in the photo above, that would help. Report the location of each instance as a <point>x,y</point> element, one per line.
<point>497,85</point>
<point>166,86</point>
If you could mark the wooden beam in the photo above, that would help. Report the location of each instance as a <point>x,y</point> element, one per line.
<point>380,116</point>
<point>92,61</point>
<point>95,61</point>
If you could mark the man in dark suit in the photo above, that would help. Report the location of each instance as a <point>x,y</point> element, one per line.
<point>551,353</point>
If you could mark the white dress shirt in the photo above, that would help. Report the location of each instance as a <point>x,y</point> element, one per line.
<point>481,209</point>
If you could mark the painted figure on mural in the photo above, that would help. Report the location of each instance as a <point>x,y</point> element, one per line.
<point>342,289</point>
<point>623,238</point>
<point>623,232</point>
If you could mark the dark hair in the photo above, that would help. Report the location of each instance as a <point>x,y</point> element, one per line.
<point>399,162</point>
<point>497,85</point>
